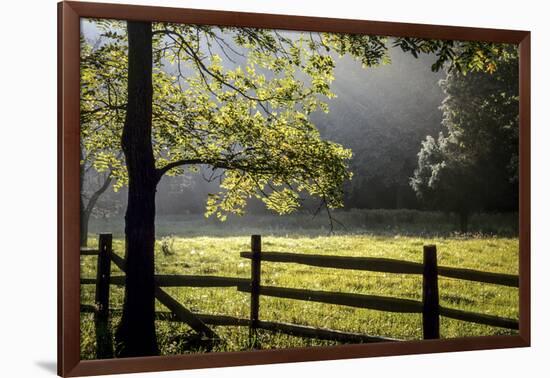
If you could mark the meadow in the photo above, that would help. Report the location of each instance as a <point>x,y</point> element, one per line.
<point>181,249</point>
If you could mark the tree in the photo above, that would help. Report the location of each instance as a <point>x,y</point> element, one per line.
<point>137,328</point>
<point>89,198</point>
<point>472,165</point>
<point>102,101</point>
<point>251,122</point>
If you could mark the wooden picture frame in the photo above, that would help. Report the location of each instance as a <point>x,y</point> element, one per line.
<point>69,362</point>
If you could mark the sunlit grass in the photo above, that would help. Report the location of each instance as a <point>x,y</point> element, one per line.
<point>220,256</point>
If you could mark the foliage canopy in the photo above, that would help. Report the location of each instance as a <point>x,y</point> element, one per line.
<point>473,164</point>
<point>240,100</point>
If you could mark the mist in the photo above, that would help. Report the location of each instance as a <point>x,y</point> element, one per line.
<point>381,113</point>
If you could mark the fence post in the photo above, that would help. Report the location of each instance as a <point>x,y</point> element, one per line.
<point>256,247</point>
<point>430,294</point>
<point>104,338</point>
<point>103,274</point>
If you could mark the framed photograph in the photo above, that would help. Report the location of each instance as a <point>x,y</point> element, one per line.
<point>240,188</point>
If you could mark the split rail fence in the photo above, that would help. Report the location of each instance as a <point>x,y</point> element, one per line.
<point>429,307</point>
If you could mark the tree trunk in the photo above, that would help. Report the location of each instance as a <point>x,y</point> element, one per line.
<point>136,335</point>
<point>86,210</point>
<point>84,220</point>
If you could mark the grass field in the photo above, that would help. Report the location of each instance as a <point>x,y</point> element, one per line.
<point>219,255</point>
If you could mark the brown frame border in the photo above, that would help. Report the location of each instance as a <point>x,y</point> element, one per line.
<point>69,13</point>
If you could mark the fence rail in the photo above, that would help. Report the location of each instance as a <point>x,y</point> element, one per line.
<point>172,280</point>
<point>472,317</point>
<point>372,302</point>
<point>382,265</point>
<point>282,327</point>
<point>429,306</point>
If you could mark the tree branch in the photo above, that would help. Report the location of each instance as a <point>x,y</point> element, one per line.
<point>179,163</point>
<point>98,193</point>
<point>216,163</point>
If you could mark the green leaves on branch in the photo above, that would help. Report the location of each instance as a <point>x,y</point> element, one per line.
<point>103,76</point>
<point>239,100</point>
<point>462,56</point>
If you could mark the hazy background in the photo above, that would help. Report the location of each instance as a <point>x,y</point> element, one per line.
<point>382,114</point>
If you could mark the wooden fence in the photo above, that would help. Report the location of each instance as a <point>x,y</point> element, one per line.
<point>429,306</point>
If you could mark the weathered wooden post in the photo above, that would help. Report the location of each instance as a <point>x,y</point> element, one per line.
<point>101,318</point>
<point>256,246</point>
<point>430,294</point>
